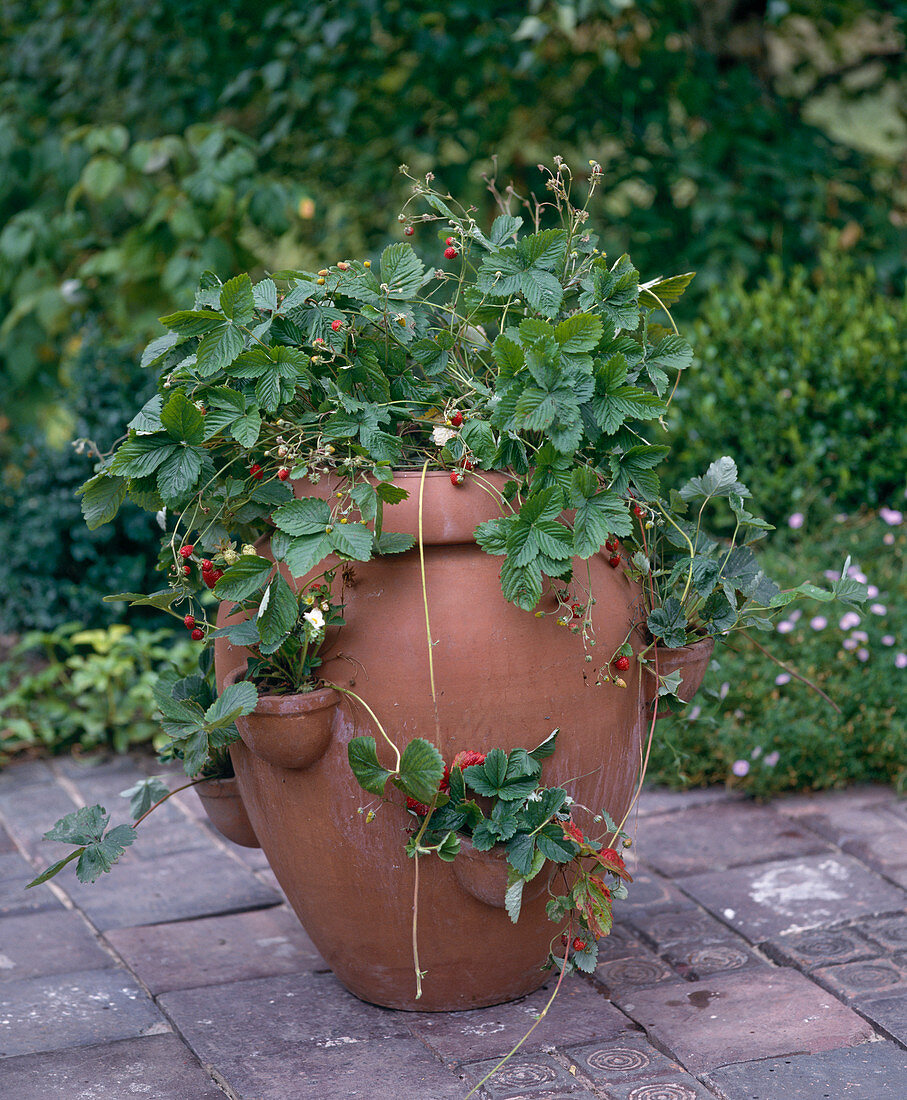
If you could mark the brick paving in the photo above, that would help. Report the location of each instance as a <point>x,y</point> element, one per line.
<point>762,956</point>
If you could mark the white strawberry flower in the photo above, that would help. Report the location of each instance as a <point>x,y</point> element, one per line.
<point>441,435</point>
<point>315,618</point>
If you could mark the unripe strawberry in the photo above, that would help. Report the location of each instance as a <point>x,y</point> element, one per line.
<point>622,663</point>
<point>189,622</point>
<point>197,635</point>
<point>186,551</point>
<point>343,266</point>
<point>456,418</point>
<point>283,473</point>
<point>450,253</point>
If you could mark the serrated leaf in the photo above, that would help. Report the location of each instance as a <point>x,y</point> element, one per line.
<point>554,845</point>
<point>391,542</point>
<point>234,701</point>
<point>669,623</point>
<point>421,770</point>
<point>513,896</point>
<point>148,418</point>
<point>503,226</point>
<point>143,795</point>
<point>303,517</point>
<point>99,857</point>
<point>720,480</point>
<point>304,552</point>
<point>237,300</point>
<point>101,496</point>
<point>217,350</point>
<point>520,853</point>
<point>248,575</point>
<point>182,420</point>
<point>83,826</point>
<point>278,612</point>
<point>401,270</point>
<point>158,348</point>
<point>352,540</point>
<point>246,428</point>
<point>178,475</point>
<point>190,322</point>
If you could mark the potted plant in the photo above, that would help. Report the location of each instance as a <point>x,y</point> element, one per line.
<point>458,460</point>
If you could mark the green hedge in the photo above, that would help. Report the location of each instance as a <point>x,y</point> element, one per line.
<point>802,380</point>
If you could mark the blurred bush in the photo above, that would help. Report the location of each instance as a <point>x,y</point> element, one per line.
<point>802,380</point>
<point>756,727</point>
<point>52,568</point>
<point>72,688</point>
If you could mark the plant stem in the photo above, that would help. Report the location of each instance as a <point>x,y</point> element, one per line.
<point>383,732</point>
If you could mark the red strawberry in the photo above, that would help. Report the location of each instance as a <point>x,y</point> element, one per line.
<point>614,561</point>
<point>611,545</point>
<point>450,241</point>
<point>409,230</point>
<point>456,419</point>
<point>187,570</point>
<point>197,635</point>
<point>450,253</point>
<point>577,609</point>
<point>283,473</point>
<point>256,471</point>
<point>336,325</point>
<point>467,463</point>
<point>622,664</point>
<point>186,551</point>
<point>579,945</point>
<point>189,622</point>
<point>417,807</point>
<point>637,511</point>
<point>206,566</point>
<point>456,478</point>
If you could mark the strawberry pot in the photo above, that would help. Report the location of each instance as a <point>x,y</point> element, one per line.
<point>503,678</point>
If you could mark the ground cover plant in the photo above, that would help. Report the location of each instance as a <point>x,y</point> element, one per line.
<point>768,732</point>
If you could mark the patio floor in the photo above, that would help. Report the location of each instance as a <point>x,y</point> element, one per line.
<point>762,955</point>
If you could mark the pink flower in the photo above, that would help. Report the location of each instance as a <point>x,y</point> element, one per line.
<point>872,591</point>
<point>888,639</point>
<point>850,643</point>
<point>794,522</point>
<point>862,654</point>
<point>891,517</point>
<point>784,627</point>
<point>741,767</point>
<point>900,660</point>
<point>878,609</point>
<point>859,635</point>
<point>782,678</point>
<point>888,538</point>
<point>849,620</point>
<point>819,622</point>
<point>772,759</point>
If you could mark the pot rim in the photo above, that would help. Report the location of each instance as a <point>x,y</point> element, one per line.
<point>304,702</point>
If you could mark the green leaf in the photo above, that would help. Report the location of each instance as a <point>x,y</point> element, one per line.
<point>596,519</point>
<point>363,757</point>
<point>303,517</point>
<point>391,542</point>
<point>186,322</point>
<point>579,333</point>
<point>244,578</point>
<point>665,292</point>
<point>669,623</point>
<point>503,226</point>
<point>217,350</point>
<point>352,540</point>
<point>513,896</point>
<point>182,420</point>
<point>521,585</point>
<point>554,845</point>
<point>53,869</point>
<point>421,770</point>
<point>546,748</point>
<point>233,702</point>
<point>148,418</point>
<point>144,794</point>
<point>543,291</point>
<point>520,853</point>
<point>83,826</point>
<point>305,552</point>
<point>720,480</point>
<point>237,300</point>
<point>278,611</point>
<point>178,475</point>
<point>141,455</point>
<point>103,854</point>
<point>156,351</point>
<point>102,496</point>
<point>245,429</point>
<point>401,270</point>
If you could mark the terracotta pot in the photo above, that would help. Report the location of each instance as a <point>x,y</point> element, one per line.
<point>484,875</point>
<point>691,661</point>
<point>503,679</point>
<point>224,806</point>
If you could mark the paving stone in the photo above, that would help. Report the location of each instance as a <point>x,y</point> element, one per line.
<point>888,1013</point>
<point>29,812</point>
<point>620,944</point>
<point>199,884</point>
<point>158,1065</point>
<point>742,1016</point>
<point>858,979</point>
<point>872,1071</point>
<point>71,1010</point>
<point>648,893</point>
<point>890,933</point>
<point>871,833</point>
<point>15,873</point>
<point>820,947</point>
<point>215,950</point>
<point>696,961</point>
<point>380,1069</point>
<point>680,926</point>
<point>50,942</point>
<point>7,844</point>
<point>619,978</point>
<point>579,1013</point>
<point>659,800</point>
<point>775,899</point>
<point>633,1064</point>
<point>101,777</point>
<point>27,774</point>
<point>721,835</point>
<point>538,1076</point>
<point>792,805</point>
